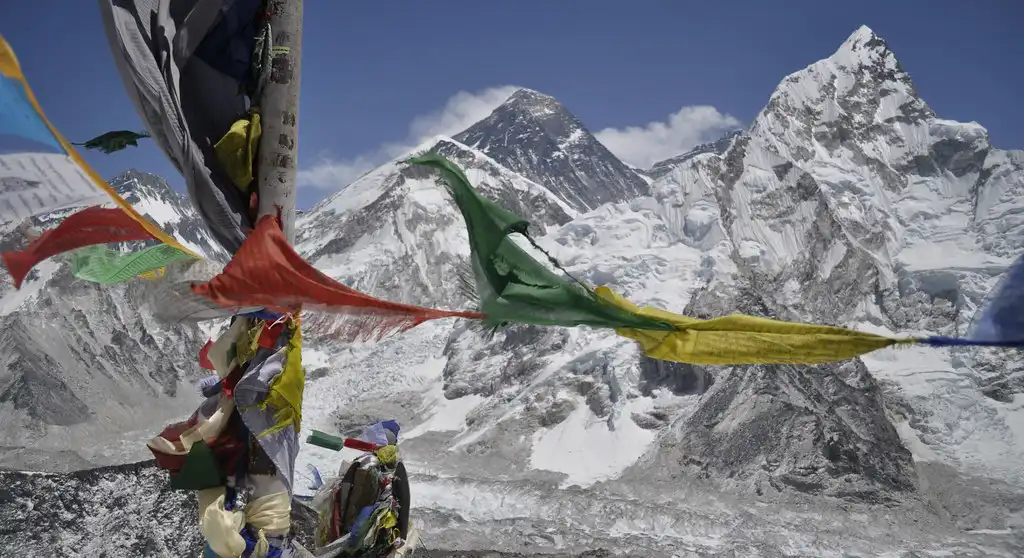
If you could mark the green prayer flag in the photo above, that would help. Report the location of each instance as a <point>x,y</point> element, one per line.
<point>511,284</point>
<point>200,470</point>
<point>100,264</point>
<point>114,141</point>
<point>325,440</point>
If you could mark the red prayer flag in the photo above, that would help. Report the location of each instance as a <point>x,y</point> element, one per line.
<point>204,357</point>
<point>267,272</point>
<point>92,225</point>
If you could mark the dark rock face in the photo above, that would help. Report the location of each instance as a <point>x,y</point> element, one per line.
<point>123,511</point>
<point>811,439</point>
<point>554,149</point>
<point>679,378</point>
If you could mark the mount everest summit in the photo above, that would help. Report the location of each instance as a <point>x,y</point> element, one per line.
<point>847,201</point>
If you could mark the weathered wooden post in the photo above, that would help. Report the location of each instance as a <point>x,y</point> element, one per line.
<point>276,167</point>
<point>279,114</point>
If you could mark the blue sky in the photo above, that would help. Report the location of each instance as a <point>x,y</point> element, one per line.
<point>379,76</point>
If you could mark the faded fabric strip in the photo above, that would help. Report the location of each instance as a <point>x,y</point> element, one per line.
<point>171,300</point>
<point>40,177</point>
<point>37,183</point>
<point>99,264</point>
<point>93,225</point>
<point>279,441</point>
<point>267,272</point>
<point>170,74</point>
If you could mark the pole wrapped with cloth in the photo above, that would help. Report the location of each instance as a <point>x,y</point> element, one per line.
<point>211,86</point>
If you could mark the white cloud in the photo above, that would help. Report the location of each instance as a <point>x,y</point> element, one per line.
<point>686,128</point>
<point>461,111</point>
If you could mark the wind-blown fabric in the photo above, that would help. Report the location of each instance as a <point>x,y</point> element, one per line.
<point>37,174</point>
<point>201,451</point>
<point>99,264</point>
<point>92,225</point>
<point>185,65</point>
<point>171,300</point>
<point>267,272</point>
<point>269,398</point>
<point>114,141</point>
<point>741,339</point>
<point>514,287</point>
<point>45,173</point>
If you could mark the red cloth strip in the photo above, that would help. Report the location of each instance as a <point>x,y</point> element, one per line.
<point>230,381</point>
<point>267,272</point>
<point>270,334</point>
<point>361,445</point>
<point>92,225</point>
<point>204,356</point>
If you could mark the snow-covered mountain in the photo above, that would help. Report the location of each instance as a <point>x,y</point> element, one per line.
<point>718,147</point>
<point>831,208</point>
<point>151,196</point>
<point>534,135</point>
<point>848,201</point>
<point>87,373</point>
<point>396,233</point>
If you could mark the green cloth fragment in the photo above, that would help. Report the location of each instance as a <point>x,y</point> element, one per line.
<point>511,284</point>
<point>114,141</point>
<point>100,264</point>
<point>326,440</point>
<point>200,470</point>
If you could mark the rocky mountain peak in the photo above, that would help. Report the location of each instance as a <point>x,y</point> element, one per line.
<point>153,197</point>
<point>536,136</point>
<point>865,44</point>
<point>134,185</point>
<point>534,103</point>
<point>858,94</point>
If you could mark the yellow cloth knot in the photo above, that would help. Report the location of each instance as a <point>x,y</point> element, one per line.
<point>221,527</point>
<point>388,455</point>
<point>262,547</point>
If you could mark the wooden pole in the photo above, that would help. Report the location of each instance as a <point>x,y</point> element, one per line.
<point>279,115</point>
